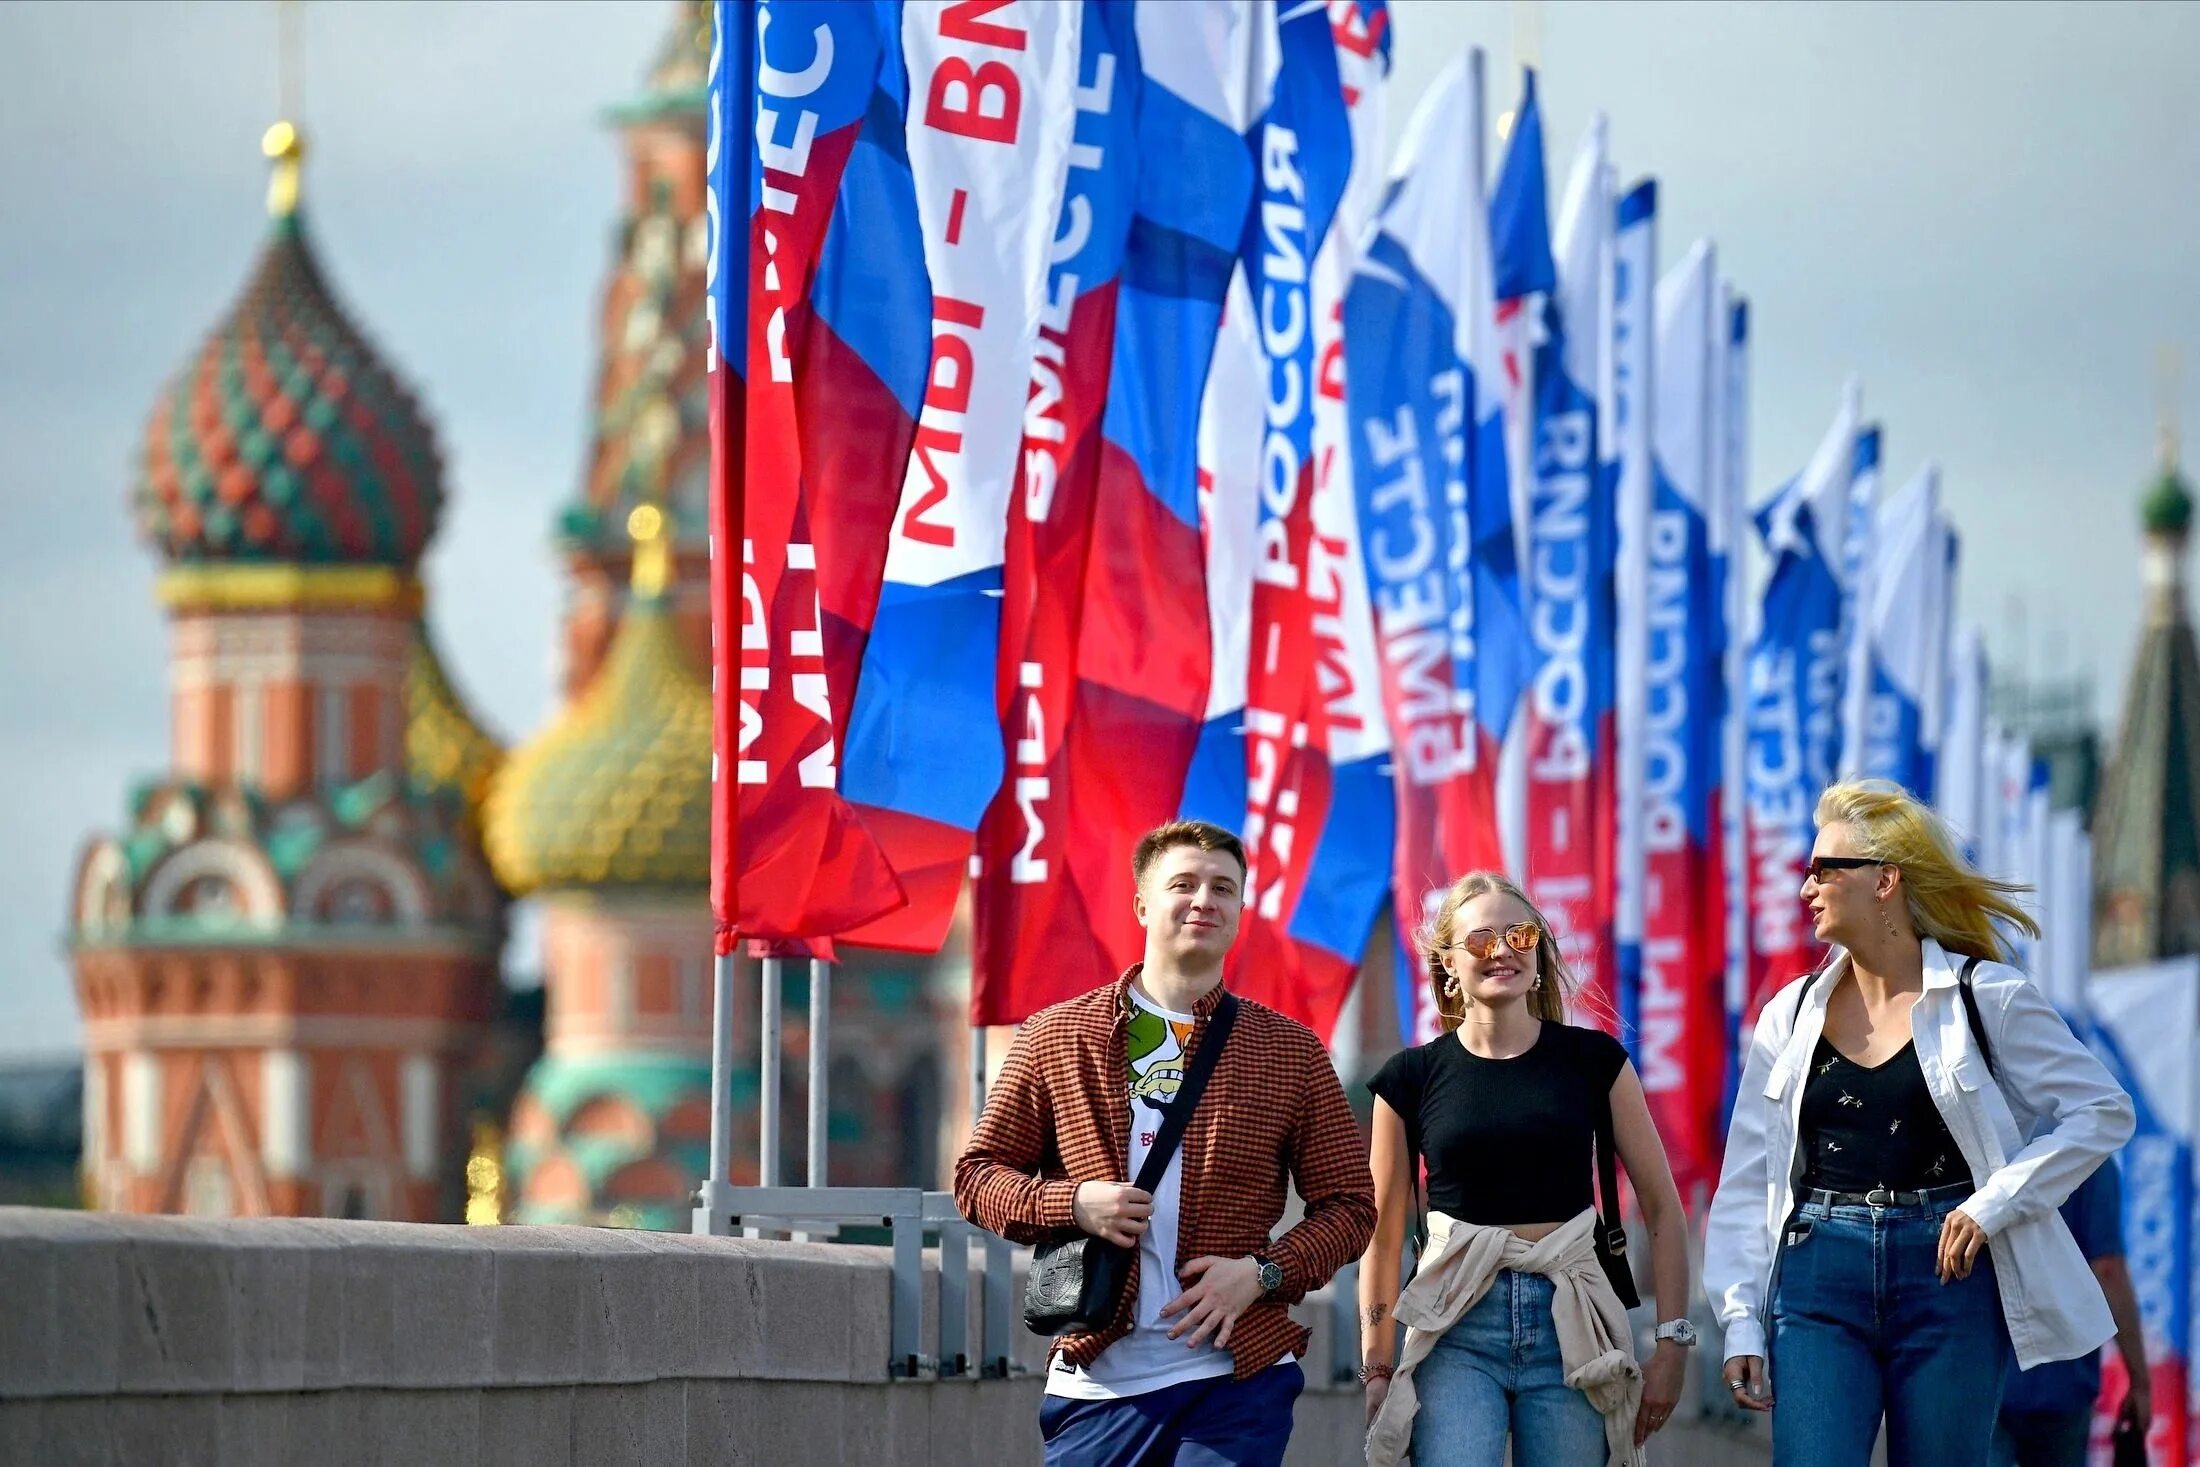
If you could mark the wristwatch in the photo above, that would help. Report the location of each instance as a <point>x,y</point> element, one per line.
<point>1681,1332</point>
<point>1271,1275</point>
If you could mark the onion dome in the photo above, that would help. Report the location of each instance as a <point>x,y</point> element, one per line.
<point>446,747</point>
<point>2167,508</point>
<point>286,439</point>
<point>617,791</point>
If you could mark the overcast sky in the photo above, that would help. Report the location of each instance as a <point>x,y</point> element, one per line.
<point>1991,213</point>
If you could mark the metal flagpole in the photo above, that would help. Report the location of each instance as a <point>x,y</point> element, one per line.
<point>977,1072</point>
<point>821,998</point>
<point>767,1107</point>
<point>721,1098</point>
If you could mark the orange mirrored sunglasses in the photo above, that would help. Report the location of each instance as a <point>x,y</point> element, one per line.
<point>1483,942</point>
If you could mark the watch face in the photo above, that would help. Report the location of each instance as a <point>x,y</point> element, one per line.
<point>1271,1277</point>
<point>1680,1332</point>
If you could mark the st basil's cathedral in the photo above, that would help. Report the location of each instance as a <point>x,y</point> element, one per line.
<point>289,954</point>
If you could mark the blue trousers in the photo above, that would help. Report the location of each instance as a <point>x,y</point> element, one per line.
<point>1222,1422</point>
<point>1496,1375</point>
<point>1862,1327</point>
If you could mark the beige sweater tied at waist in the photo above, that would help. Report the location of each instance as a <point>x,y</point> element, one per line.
<point>1595,1344</point>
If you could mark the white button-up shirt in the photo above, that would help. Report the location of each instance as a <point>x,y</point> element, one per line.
<point>2050,1088</point>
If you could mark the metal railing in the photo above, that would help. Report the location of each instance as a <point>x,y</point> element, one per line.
<point>908,1214</point>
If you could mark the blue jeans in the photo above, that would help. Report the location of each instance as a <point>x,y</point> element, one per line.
<point>2043,1438</point>
<point>1862,1327</point>
<point>1219,1422</point>
<point>1496,1373</point>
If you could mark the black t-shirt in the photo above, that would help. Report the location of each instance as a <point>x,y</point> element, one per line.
<point>1875,1127</point>
<point>1506,1141</point>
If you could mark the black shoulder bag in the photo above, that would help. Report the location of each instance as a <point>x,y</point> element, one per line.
<point>1076,1279</point>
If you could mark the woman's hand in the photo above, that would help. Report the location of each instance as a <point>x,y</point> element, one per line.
<point>1661,1388</point>
<point>1960,1240</point>
<point>1748,1383</point>
<point>1378,1390</point>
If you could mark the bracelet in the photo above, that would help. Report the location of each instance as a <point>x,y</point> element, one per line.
<point>1382,1370</point>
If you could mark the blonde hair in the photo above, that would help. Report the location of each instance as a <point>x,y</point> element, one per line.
<point>1950,900</point>
<point>1440,932</point>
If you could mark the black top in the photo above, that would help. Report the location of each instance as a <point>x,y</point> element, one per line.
<point>1507,1141</point>
<point>1877,1127</point>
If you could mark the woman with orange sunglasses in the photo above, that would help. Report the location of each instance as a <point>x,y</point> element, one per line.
<point>1519,1287</point>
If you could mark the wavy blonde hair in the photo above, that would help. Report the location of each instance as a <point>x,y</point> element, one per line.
<point>1440,932</point>
<point>1950,900</point>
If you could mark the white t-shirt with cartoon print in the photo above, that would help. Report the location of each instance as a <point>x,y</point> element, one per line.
<point>1146,1359</point>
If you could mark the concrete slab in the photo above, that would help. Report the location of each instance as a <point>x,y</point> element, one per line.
<point>442,1290</point>
<point>270,1295</point>
<point>537,1310</point>
<point>422,1426</point>
<point>173,1310</point>
<point>527,1428</point>
<point>175,1431</point>
<point>721,1418</point>
<point>60,1433</point>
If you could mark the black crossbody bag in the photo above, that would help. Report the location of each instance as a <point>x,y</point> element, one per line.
<point>1611,1238</point>
<point>1076,1280</point>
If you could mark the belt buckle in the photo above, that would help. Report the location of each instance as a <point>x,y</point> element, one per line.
<point>1880,1196</point>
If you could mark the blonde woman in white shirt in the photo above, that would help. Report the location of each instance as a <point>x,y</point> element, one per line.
<point>1883,1233</point>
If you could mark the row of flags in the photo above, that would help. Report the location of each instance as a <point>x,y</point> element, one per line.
<point>1103,435</point>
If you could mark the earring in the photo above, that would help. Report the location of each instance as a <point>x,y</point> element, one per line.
<point>1538,983</point>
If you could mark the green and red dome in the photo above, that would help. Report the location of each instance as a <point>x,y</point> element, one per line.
<point>286,440</point>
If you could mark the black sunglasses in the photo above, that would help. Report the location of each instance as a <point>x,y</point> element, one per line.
<point>1820,865</point>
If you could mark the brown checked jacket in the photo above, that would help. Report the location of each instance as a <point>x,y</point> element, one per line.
<point>1059,1114</point>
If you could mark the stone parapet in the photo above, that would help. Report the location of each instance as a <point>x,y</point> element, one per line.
<point>167,1340</point>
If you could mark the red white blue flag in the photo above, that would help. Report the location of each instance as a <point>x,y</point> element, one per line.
<point>1429,476</point>
<point>1681,1032</point>
<point>1142,650</point>
<point>1793,703</point>
<point>1028,913</point>
<point>1569,803</point>
<point>794,861</point>
<point>1262,766</point>
<point>990,125</point>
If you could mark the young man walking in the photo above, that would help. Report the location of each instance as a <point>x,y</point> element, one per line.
<point>1199,1364</point>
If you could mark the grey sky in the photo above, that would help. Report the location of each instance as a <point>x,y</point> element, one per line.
<point>1991,213</point>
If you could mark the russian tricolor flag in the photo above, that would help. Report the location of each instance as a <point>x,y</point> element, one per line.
<point>794,860</point>
<point>1030,917</point>
<point>990,127</point>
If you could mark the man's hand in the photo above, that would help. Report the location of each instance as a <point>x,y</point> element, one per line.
<point>1960,1240</point>
<point>1221,1289</point>
<point>1116,1211</point>
<point>1661,1388</point>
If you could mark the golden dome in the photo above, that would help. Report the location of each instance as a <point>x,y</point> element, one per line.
<point>616,792</point>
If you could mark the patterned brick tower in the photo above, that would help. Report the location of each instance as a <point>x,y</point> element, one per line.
<point>651,433</point>
<point>286,960</point>
<point>602,817</point>
<point>2146,822</point>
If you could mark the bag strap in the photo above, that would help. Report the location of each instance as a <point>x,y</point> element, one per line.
<point>1615,1235</point>
<point>1970,1008</point>
<point>1187,1094</point>
<point>1971,1014</point>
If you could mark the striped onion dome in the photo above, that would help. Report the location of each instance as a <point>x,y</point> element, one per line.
<point>616,792</point>
<point>285,439</point>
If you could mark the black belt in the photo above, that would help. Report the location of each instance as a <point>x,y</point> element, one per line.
<point>1888,1197</point>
